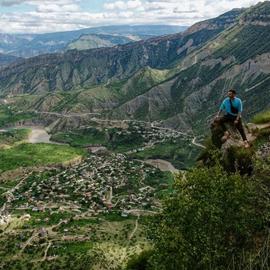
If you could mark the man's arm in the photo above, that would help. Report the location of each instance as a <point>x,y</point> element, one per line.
<point>238,116</point>
<point>218,114</point>
<point>221,109</point>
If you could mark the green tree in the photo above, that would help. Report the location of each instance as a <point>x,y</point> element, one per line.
<point>139,262</point>
<point>211,218</point>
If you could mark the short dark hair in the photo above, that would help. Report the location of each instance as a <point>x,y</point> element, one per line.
<point>232,91</point>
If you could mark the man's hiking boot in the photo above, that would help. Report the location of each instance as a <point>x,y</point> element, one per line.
<point>246,144</point>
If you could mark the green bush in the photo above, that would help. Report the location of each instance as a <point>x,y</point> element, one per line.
<point>262,118</point>
<point>211,218</point>
<point>239,159</point>
<point>140,262</point>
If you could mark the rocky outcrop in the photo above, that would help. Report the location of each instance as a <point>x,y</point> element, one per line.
<point>225,20</point>
<point>258,15</point>
<point>232,151</point>
<point>235,155</point>
<point>224,139</point>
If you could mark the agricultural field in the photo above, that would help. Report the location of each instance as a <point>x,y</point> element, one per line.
<point>26,155</point>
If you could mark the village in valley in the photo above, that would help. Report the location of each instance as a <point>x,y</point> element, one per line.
<point>101,183</point>
<point>87,190</point>
<point>100,200</point>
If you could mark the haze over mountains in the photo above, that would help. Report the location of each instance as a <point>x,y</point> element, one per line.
<point>28,45</point>
<point>177,79</point>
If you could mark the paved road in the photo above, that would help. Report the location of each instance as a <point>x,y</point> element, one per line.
<point>67,115</point>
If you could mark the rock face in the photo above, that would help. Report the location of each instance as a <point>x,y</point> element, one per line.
<point>230,137</point>
<point>259,15</point>
<point>234,156</point>
<point>83,69</point>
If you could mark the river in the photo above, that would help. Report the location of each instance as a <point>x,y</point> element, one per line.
<point>39,135</point>
<point>161,164</point>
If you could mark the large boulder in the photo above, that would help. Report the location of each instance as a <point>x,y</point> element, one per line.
<point>235,157</point>
<point>225,138</point>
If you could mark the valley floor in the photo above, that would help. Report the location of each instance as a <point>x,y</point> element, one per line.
<point>95,208</point>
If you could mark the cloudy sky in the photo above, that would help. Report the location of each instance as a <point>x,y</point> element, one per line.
<point>39,16</point>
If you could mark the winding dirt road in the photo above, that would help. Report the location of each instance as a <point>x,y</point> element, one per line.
<point>197,144</point>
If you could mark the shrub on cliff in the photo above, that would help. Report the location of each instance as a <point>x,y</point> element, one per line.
<point>211,218</point>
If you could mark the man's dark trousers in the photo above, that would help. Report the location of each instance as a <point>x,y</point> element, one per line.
<point>229,118</point>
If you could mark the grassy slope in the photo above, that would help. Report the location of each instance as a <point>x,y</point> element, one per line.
<point>179,153</point>
<point>25,155</point>
<point>93,99</point>
<point>262,118</point>
<point>81,137</point>
<point>108,243</point>
<point>236,40</point>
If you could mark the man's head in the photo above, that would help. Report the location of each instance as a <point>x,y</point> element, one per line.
<point>231,93</point>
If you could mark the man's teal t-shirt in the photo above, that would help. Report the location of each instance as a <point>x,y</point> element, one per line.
<point>226,105</point>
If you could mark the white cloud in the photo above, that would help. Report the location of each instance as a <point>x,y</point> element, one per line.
<point>123,5</point>
<point>56,8</point>
<point>62,15</point>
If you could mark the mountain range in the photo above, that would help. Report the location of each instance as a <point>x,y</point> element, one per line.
<point>6,59</point>
<point>178,80</point>
<point>29,45</point>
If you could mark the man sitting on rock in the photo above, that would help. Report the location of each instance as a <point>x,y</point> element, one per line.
<point>232,108</point>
